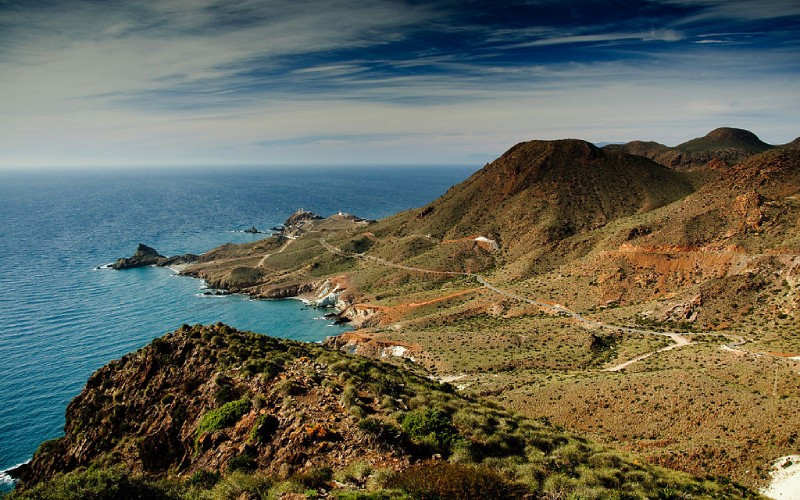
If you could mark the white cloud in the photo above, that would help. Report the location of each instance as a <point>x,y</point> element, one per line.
<point>664,35</point>
<point>161,83</point>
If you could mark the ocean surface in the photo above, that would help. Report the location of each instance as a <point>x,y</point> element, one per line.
<point>61,318</point>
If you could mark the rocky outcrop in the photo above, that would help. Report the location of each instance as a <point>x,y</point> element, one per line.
<point>748,206</point>
<point>266,399</point>
<point>295,223</point>
<point>148,256</point>
<point>144,256</point>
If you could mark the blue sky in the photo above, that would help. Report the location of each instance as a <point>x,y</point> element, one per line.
<point>207,82</point>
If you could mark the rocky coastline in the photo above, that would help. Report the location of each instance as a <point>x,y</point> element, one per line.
<point>322,294</point>
<point>145,256</point>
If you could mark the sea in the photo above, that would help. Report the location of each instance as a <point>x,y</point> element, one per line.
<point>62,318</point>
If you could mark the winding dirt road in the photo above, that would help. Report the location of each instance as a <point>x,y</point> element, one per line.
<point>679,339</point>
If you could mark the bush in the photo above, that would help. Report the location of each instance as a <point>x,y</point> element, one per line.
<point>204,479</point>
<point>430,427</point>
<point>446,480</point>
<point>239,484</point>
<point>227,415</point>
<point>245,462</point>
<point>264,428</point>
<point>315,478</point>
<point>48,446</point>
<point>97,484</point>
<point>225,391</point>
<point>289,388</point>
<point>357,473</point>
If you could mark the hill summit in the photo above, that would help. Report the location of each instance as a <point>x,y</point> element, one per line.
<point>540,192</point>
<point>726,138</point>
<point>725,144</point>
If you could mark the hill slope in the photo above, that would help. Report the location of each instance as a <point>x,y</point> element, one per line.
<point>540,192</point>
<point>208,400</point>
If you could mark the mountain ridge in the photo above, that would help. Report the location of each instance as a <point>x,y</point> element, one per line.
<point>727,145</point>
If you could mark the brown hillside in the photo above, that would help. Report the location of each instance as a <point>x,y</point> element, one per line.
<point>540,192</point>
<point>753,206</point>
<point>795,144</point>
<point>725,144</point>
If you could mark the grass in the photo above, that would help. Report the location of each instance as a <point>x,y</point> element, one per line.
<point>226,416</point>
<point>489,450</point>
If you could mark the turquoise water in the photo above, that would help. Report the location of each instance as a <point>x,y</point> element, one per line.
<point>61,318</point>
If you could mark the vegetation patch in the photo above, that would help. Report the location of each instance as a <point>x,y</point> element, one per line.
<point>226,416</point>
<point>431,428</point>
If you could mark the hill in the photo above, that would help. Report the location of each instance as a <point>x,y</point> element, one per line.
<point>591,287</point>
<point>212,412</point>
<point>724,145</point>
<point>541,192</point>
<point>795,144</point>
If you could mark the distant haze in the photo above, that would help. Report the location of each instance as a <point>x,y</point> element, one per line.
<point>230,82</point>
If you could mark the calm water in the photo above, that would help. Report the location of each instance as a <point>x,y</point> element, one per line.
<point>60,319</point>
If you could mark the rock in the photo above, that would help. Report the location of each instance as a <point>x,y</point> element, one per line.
<point>18,471</point>
<point>748,206</point>
<point>148,256</point>
<point>179,259</point>
<point>252,230</point>
<point>144,256</point>
<point>299,217</point>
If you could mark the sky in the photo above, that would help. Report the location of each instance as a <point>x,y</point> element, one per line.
<point>261,82</point>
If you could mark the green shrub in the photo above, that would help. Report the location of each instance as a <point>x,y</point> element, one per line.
<point>204,479</point>
<point>245,462</point>
<point>227,415</point>
<point>225,391</point>
<point>289,388</point>
<point>238,485</point>
<point>431,428</point>
<point>97,484</point>
<point>48,446</point>
<point>317,477</point>
<point>357,472</point>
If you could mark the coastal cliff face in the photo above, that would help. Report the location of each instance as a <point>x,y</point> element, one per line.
<point>212,412</point>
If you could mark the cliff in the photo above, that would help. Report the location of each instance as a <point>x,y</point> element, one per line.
<point>209,410</point>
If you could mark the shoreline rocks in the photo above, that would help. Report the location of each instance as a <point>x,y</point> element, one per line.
<point>148,256</point>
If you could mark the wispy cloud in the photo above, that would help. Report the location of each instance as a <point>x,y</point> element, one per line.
<point>745,10</point>
<point>245,81</point>
<point>666,35</point>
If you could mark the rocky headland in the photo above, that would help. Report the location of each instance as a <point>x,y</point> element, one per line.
<point>147,256</point>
